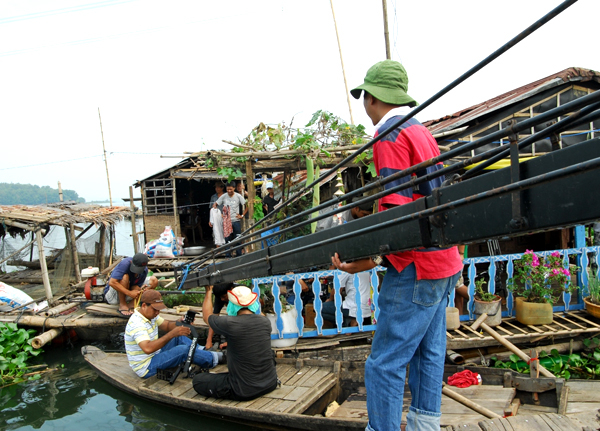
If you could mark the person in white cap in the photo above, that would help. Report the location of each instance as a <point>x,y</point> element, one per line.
<point>250,360</point>
<point>269,200</point>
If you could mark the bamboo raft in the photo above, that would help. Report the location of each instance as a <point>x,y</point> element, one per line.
<point>565,325</point>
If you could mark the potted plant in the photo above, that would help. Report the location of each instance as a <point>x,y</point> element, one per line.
<point>592,302</point>
<point>489,303</point>
<point>537,285</point>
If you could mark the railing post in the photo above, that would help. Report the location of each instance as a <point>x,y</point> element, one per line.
<point>298,304</point>
<point>318,304</point>
<point>374,295</point>
<point>339,317</point>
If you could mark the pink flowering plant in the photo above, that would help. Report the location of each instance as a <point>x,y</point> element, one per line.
<point>539,279</point>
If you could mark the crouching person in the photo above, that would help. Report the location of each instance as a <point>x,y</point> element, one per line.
<point>148,353</point>
<point>250,360</point>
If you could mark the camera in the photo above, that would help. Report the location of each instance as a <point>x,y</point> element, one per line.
<point>190,316</point>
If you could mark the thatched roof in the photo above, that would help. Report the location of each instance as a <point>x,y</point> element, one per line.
<point>30,217</point>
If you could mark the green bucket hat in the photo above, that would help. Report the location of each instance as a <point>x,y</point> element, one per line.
<point>388,82</point>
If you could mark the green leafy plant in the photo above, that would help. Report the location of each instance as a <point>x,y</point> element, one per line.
<point>594,288</point>
<point>230,173</point>
<point>15,351</point>
<point>258,209</point>
<point>482,295</point>
<point>538,279</point>
<point>582,365</point>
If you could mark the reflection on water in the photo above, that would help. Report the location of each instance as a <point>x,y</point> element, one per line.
<point>76,398</point>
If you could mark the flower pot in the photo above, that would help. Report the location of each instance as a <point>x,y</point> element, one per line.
<point>532,313</point>
<point>289,327</point>
<point>492,308</point>
<point>591,308</point>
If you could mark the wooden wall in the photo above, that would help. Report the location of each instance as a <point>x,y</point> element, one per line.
<point>155,225</point>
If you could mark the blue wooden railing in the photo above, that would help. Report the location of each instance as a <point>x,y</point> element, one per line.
<point>569,303</point>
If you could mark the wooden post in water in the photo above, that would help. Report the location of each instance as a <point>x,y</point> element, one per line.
<point>102,247</point>
<point>43,266</point>
<point>133,231</point>
<point>74,252</point>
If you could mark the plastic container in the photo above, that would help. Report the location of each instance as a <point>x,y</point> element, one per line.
<point>493,310</point>
<point>289,327</point>
<point>452,318</point>
<point>532,313</point>
<point>90,271</point>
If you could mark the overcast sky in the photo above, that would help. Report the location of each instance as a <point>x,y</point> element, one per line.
<point>182,75</point>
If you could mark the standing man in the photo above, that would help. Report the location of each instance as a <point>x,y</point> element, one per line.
<point>234,201</point>
<point>250,360</point>
<point>269,200</point>
<point>126,282</point>
<point>147,353</point>
<point>411,326</point>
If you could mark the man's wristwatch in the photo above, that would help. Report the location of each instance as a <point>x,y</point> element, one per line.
<point>378,260</point>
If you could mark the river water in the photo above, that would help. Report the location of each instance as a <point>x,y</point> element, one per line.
<point>75,398</point>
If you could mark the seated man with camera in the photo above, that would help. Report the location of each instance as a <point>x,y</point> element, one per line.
<point>148,353</point>
<point>250,360</point>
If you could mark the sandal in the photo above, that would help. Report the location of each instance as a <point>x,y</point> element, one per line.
<point>125,313</point>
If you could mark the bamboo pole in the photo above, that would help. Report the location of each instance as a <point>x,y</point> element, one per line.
<point>102,247</point>
<point>74,252</point>
<point>44,267</point>
<point>133,233</point>
<point>251,189</point>
<point>55,311</point>
<point>386,33</point>
<point>90,322</point>
<point>468,403</point>
<point>60,192</point>
<point>265,155</point>
<point>44,338</point>
<point>341,61</point>
<point>105,161</point>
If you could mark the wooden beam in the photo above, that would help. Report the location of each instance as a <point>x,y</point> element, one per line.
<point>133,233</point>
<point>74,252</point>
<point>44,267</point>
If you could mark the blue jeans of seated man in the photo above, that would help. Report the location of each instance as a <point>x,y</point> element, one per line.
<point>411,329</point>
<point>237,230</point>
<point>328,313</point>
<point>175,352</point>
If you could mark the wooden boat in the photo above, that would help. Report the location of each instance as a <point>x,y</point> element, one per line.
<point>309,386</point>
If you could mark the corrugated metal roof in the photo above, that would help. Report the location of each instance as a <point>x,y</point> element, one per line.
<point>449,122</point>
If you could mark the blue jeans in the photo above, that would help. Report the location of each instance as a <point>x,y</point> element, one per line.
<point>175,353</point>
<point>411,329</point>
<point>237,230</point>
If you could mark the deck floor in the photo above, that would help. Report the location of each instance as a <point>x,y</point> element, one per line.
<point>299,390</point>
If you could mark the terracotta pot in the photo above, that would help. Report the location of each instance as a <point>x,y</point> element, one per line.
<point>492,308</point>
<point>591,308</point>
<point>532,313</point>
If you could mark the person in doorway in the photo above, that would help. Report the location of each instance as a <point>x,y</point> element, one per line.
<point>234,201</point>
<point>250,360</point>
<point>413,298</point>
<point>126,282</point>
<point>219,191</point>
<point>215,216</point>
<point>269,200</point>
<point>148,353</point>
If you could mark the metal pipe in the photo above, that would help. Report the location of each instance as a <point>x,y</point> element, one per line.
<point>575,104</point>
<point>507,189</point>
<point>518,38</point>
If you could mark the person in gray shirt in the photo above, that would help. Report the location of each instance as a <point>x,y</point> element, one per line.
<point>234,201</point>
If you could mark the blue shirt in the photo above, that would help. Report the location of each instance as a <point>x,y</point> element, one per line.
<point>123,268</point>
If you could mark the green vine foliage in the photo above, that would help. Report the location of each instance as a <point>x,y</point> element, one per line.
<point>583,365</point>
<point>258,209</point>
<point>15,351</point>
<point>230,173</point>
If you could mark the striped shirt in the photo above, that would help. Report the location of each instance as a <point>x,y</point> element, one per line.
<point>140,329</point>
<point>406,146</point>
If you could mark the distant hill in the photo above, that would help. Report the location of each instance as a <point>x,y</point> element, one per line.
<point>29,194</point>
